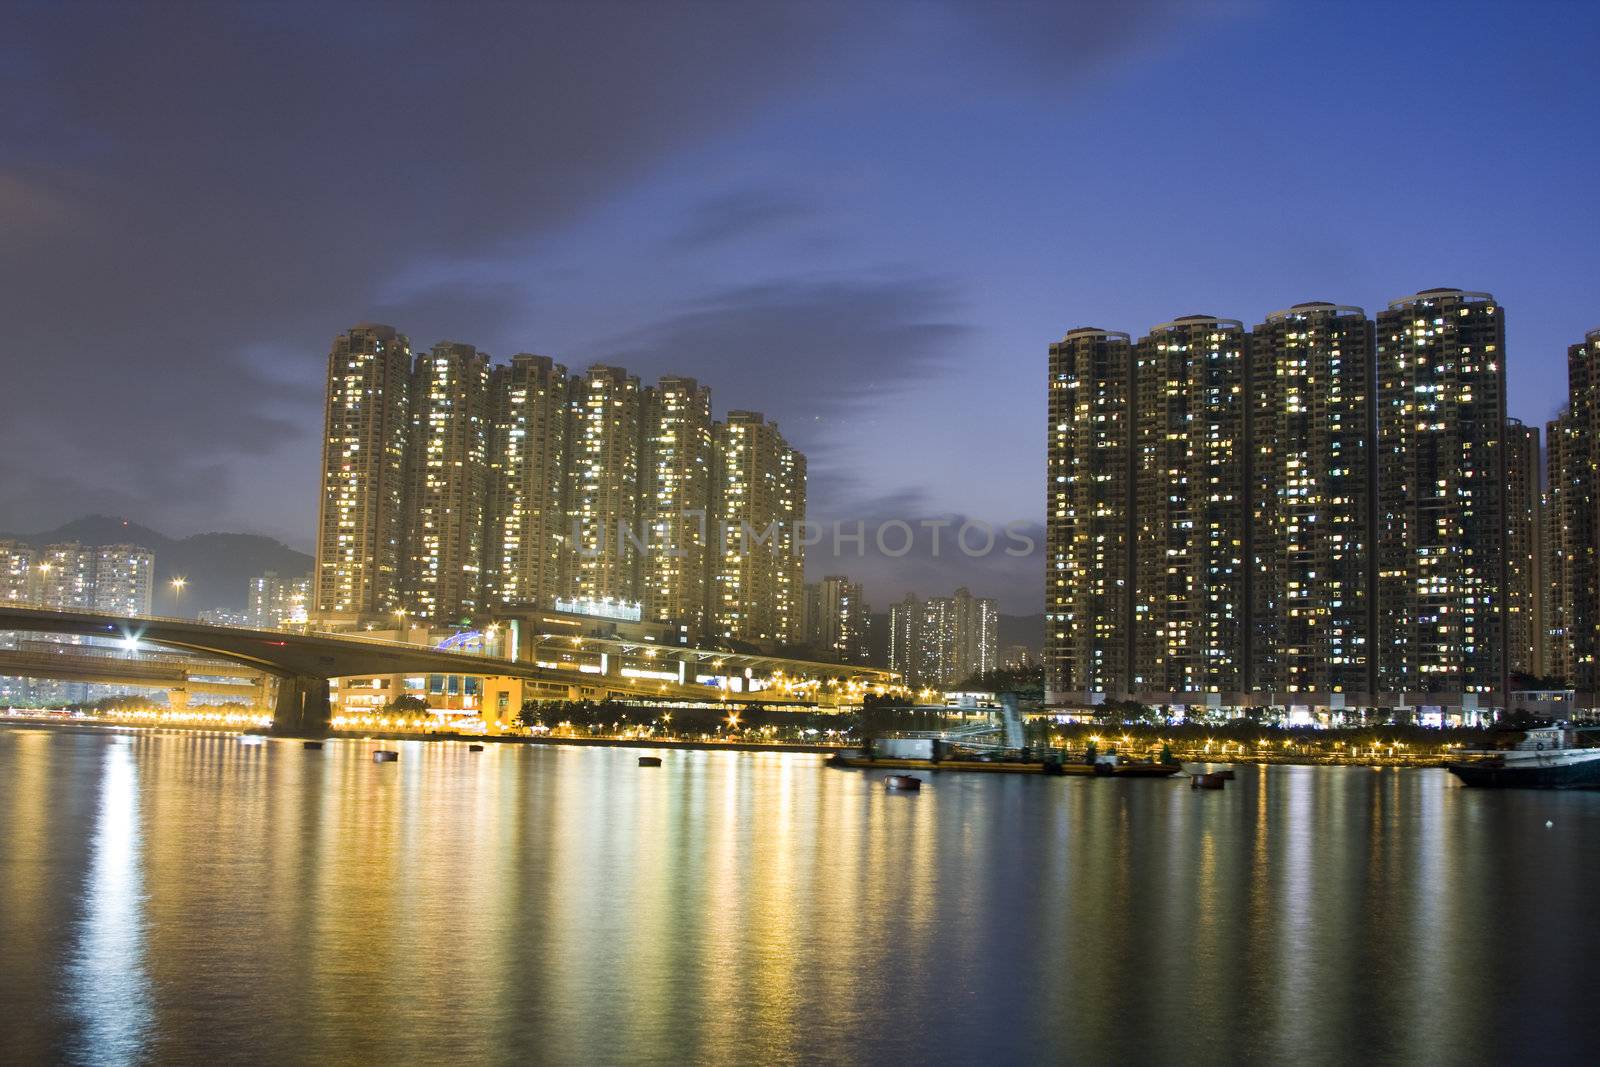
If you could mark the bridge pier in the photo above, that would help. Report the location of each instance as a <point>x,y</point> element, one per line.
<point>302,708</point>
<point>178,699</point>
<point>502,703</point>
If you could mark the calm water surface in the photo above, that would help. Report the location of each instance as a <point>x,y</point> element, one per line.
<point>190,899</point>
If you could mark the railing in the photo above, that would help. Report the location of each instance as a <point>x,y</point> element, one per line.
<point>388,642</point>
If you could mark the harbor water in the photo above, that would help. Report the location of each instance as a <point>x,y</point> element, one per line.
<point>192,899</point>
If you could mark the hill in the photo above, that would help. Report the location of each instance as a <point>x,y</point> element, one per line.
<point>216,567</point>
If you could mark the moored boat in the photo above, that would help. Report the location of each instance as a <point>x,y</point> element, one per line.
<point>1547,757</point>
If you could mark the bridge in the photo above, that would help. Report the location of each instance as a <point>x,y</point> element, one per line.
<point>302,663</point>
<point>179,678</point>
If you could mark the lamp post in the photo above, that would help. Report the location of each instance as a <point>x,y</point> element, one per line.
<point>177,594</point>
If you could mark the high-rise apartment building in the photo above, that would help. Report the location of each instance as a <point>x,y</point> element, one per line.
<point>1328,512</point>
<point>603,443</point>
<point>446,483</point>
<point>124,579</point>
<point>758,563</point>
<point>361,520</point>
<point>1312,488</point>
<point>676,503</point>
<point>1089,517</point>
<point>1572,524</point>
<point>1190,517</point>
<point>937,654</point>
<point>19,572</point>
<point>905,640</point>
<point>1562,515</point>
<point>843,619</point>
<point>450,486</point>
<point>977,636</point>
<point>1524,550</point>
<point>1441,511</point>
<point>527,465</point>
<point>956,638</point>
<point>66,577</point>
<point>272,601</point>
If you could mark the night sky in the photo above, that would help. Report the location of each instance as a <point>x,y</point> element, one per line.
<point>867,220</point>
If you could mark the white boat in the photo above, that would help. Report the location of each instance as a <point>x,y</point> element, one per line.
<point>1548,757</point>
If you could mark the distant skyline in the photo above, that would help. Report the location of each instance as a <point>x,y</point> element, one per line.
<point>867,221</point>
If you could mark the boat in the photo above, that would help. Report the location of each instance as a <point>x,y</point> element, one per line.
<point>315,746</point>
<point>902,783</point>
<point>649,761</point>
<point>1206,781</point>
<point>474,748</point>
<point>385,755</point>
<point>1547,757</point>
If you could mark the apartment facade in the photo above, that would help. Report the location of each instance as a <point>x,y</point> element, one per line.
<point>361,521</point>
<point>1089,530</point>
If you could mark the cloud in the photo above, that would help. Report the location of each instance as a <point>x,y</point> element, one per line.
<point>182,182</point>
<point>1039,35</point>
<point>457,310</point>
<point>184,186</point>
<point>739,214</point>
<point>808,351</point>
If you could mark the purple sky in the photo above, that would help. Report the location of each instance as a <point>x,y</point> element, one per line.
<point>867,220</point>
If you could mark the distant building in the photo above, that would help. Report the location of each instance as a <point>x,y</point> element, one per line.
<point>905,640</point>
<point>758,564</point>
<point>1524,550</point>
<point>1572,524</point>
<point>19,572</point>
<point>936,653</point>
<point>1564,518</point>
<point>1017,658</point>
<point>946,640</point>
<point>361,522</point>
<point>124,579</point>
<point>66,577</point>
<point>811,615</point>
<point>273,601</point>
<point>977,635</point>
<point>843,619</point>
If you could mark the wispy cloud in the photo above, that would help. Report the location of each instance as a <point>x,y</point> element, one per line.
<point>738,214</point>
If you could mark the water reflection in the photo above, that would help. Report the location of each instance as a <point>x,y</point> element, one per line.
<point>185,899</point>
<point>107,989</point>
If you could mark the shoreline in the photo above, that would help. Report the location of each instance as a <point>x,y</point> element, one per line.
<point>1373,762</point>
<point>497,739</point>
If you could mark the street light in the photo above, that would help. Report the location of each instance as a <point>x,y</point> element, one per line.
<point>177,593</point>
